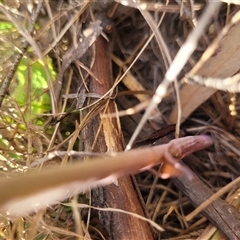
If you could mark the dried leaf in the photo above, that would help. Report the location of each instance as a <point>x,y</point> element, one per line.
<point>224,63</point>
<point>155,136</point>
<point>232,1</point>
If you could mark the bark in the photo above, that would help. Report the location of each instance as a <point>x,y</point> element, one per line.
<point>121,195</point>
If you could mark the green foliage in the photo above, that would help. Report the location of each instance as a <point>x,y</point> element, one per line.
<point>32,86</point>
<point>6,27</point>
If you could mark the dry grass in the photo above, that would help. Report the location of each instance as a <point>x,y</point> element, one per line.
<point>140,61</point>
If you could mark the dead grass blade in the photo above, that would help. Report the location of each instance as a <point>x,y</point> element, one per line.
<point>213,198</point>
<point>67,26</point>
<point>133,85</point>
<point>120,211</point>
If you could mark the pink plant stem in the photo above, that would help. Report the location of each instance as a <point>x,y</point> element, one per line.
<point>33,191</point>
<point>178,149</point>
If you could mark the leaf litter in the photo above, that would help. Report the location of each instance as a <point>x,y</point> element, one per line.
<point>217,167</point>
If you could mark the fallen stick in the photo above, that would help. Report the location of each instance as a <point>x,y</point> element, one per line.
<point>220,213</point>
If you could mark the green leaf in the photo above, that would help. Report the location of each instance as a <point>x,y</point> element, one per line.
<point>39,96</point>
